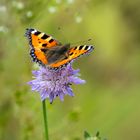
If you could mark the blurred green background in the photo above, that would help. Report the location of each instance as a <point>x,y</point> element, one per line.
<point>108,102</point>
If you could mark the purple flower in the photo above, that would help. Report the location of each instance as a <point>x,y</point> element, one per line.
<point>52,83</point>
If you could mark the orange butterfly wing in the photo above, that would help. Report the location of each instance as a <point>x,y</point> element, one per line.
<point>38,41</point>
<point>73,54</point>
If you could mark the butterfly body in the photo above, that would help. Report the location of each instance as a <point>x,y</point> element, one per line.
<point>47,51</point>
<point>57,53</point>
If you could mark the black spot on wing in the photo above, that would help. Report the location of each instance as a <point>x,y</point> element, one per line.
<point>44,49</point>
<point>80,48</point>
<point>37,33</point>
<point>75,48</point>
<point>51,40</point>
<point>86,47</point>
<point>71,53</point>
<point>44,36</point>
<point>44,45</point>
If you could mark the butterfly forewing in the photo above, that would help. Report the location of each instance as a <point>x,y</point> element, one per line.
<point>73,54</point>
<point>39,41</point>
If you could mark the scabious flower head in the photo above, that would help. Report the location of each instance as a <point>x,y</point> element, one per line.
<point>52,83</point>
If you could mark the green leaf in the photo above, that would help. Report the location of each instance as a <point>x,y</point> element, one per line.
<point>86,135</point>
<point>97,134</point>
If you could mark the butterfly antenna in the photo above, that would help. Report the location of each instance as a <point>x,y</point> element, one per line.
<point>74,43</point>
<point>80,42</point>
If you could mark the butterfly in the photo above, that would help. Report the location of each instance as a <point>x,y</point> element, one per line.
<point>47,51</point>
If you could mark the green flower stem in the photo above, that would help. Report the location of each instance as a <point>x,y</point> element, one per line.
<point>45,120</point>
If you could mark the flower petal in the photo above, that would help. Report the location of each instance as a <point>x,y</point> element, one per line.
<point>76,80</point>
<point>61,96</point>
<point>51,83</point>
<point>51,97</point>
<point>69,91</point>
<point>35,72</point>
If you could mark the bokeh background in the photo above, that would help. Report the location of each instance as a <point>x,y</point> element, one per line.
<point>108,102</point>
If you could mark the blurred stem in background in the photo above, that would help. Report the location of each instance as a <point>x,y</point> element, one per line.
<point>45,120</point>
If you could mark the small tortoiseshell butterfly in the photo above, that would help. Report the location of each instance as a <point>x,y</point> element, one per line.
<point>45,50</point>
